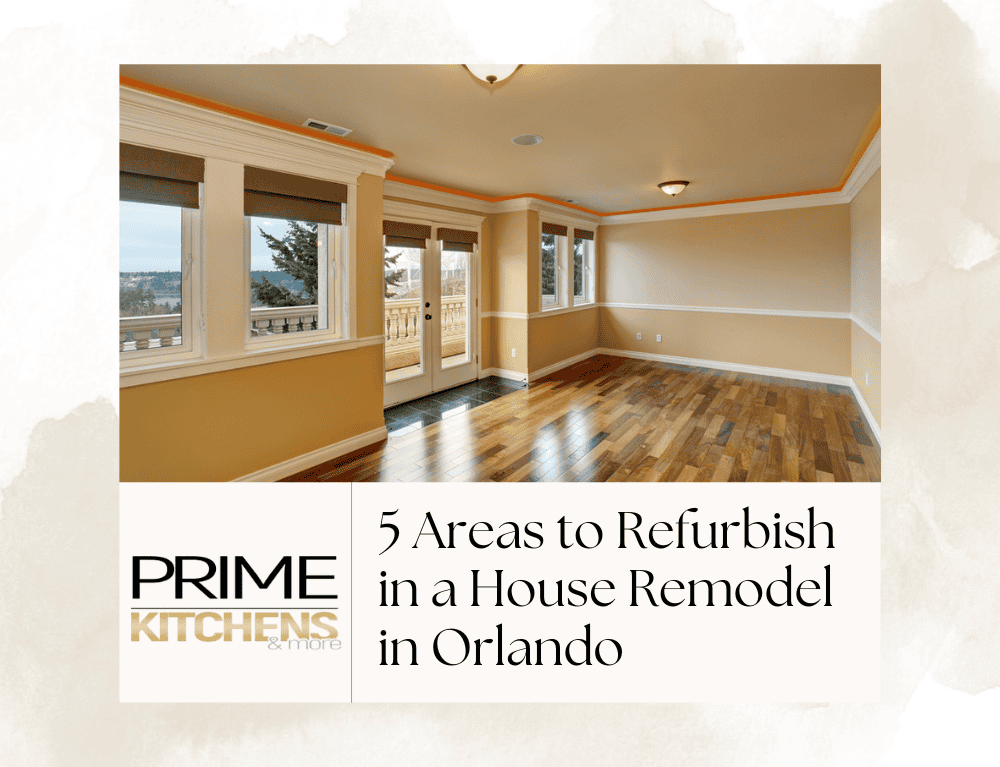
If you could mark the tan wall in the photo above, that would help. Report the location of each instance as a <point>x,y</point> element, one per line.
<point>866,357</point>
<point>510,334</point>
<point>866,292</point>
<point>533,258</point>
<point>796,259</point>
<point>793,343</point>
<point>562,336</point>
<point>221,426</point>
<point>510,248</point>
<point>866,253</point>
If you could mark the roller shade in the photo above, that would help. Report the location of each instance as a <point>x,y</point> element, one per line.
<point>403,235</point>
<point>554,229</point>
<point>460,240</point>
<point>272,194</point>
<point>158,177</point>
<point>582,234</point>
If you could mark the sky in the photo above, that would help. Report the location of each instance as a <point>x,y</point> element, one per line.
<point>150,239</point>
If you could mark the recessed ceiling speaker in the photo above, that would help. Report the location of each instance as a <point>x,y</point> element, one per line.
<point>528,139</point>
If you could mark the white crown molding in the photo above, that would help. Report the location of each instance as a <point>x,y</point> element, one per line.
<point>433,196</point>
<point>729,208</point>
<point>171,125</point>
<point>730,310</point>
<point>867,328</point>
<point>316,457</point>
<point>870,162</point>
<point>429,215</point>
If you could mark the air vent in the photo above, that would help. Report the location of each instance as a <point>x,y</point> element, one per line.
<point>336,130</point>
<point>528,139</point>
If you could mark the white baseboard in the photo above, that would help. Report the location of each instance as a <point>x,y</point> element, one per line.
<point>316,457</point>
<point>873,426</point>
<point>512,375</point>
<point>542,372</point>
<point>799,375</point>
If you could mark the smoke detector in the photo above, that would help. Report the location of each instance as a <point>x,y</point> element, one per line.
<point>336,130</point>
<point>527,139</point>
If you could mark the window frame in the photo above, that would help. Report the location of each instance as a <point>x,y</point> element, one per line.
<point>337,328</point>
<point>563,297</point>
<point>191,304</point>
<point>589,277</point>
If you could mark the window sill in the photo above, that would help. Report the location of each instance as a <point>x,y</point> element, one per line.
<point>562,310</point>
<point>167,371</point>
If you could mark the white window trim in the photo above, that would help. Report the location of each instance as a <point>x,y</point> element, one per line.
<point>150,120</point>
<point>192,320</point>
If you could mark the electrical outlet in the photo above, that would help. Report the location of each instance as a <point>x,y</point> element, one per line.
<point>659,338</point>
<point>513,352</point>
<point>638,336</point>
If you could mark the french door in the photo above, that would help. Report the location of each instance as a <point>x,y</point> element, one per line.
<point>431,317</point>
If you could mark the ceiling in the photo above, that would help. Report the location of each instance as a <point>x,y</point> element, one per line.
<point>611,133</point>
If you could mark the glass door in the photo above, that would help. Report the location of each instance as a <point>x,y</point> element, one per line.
<point>430,319</point>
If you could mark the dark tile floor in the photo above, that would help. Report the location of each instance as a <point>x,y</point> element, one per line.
<point>402,419</point>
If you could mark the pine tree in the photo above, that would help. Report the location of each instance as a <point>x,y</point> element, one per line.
<point>393,279</point>
<point>296,254</point>
<point>548,265</point>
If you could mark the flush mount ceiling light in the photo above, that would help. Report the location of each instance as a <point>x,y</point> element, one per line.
<point>673,188</point>
<point>492,73</point>
<point>527,139</point>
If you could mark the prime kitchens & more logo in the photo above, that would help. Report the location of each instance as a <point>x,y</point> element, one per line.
<point>193,595</point>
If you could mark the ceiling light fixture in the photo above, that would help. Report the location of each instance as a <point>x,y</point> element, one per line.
<point>673,188</point>
<point>492,73</point>
<point>527,139</point>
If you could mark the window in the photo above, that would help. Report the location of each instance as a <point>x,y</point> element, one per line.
<point>293,240</point>
<point>553,266</point>
<point>159,204</point>
<point>583,267</point>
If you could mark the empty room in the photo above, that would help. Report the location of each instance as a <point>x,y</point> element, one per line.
<point>533,273</point>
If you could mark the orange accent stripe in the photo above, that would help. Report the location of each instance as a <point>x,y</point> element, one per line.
<point>138,85</point>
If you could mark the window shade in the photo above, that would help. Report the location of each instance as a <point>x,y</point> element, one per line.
<point>582,234</point>
<point>158,177</point>
<point>403,235</point>
<point>460,240</point>
<point>554,229</point>
<point>284,195</point>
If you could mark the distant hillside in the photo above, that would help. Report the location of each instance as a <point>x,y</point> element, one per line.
<point>167,285</point>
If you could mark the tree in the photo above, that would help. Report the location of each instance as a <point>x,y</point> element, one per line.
<point>548,265</point>
<point>295,254</point>
<point>393,279</point>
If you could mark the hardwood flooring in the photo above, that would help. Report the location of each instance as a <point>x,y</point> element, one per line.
<point>612,419</point>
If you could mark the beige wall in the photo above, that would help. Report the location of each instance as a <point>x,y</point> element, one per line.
<point>866,292</point>
<point>510,273</point>
<point>866,253</point>
<point>221,426</point>
<point>807,344</point>
<point>866,359</point>
<point>559,337</point>
<point>510,334</point>
<point>797,259</point>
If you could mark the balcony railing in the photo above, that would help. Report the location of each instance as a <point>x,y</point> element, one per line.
<point>403,325</point>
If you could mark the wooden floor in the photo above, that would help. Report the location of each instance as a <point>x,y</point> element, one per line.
<point>611,419</point>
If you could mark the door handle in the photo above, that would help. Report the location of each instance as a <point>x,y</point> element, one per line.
<point>427,316</point>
